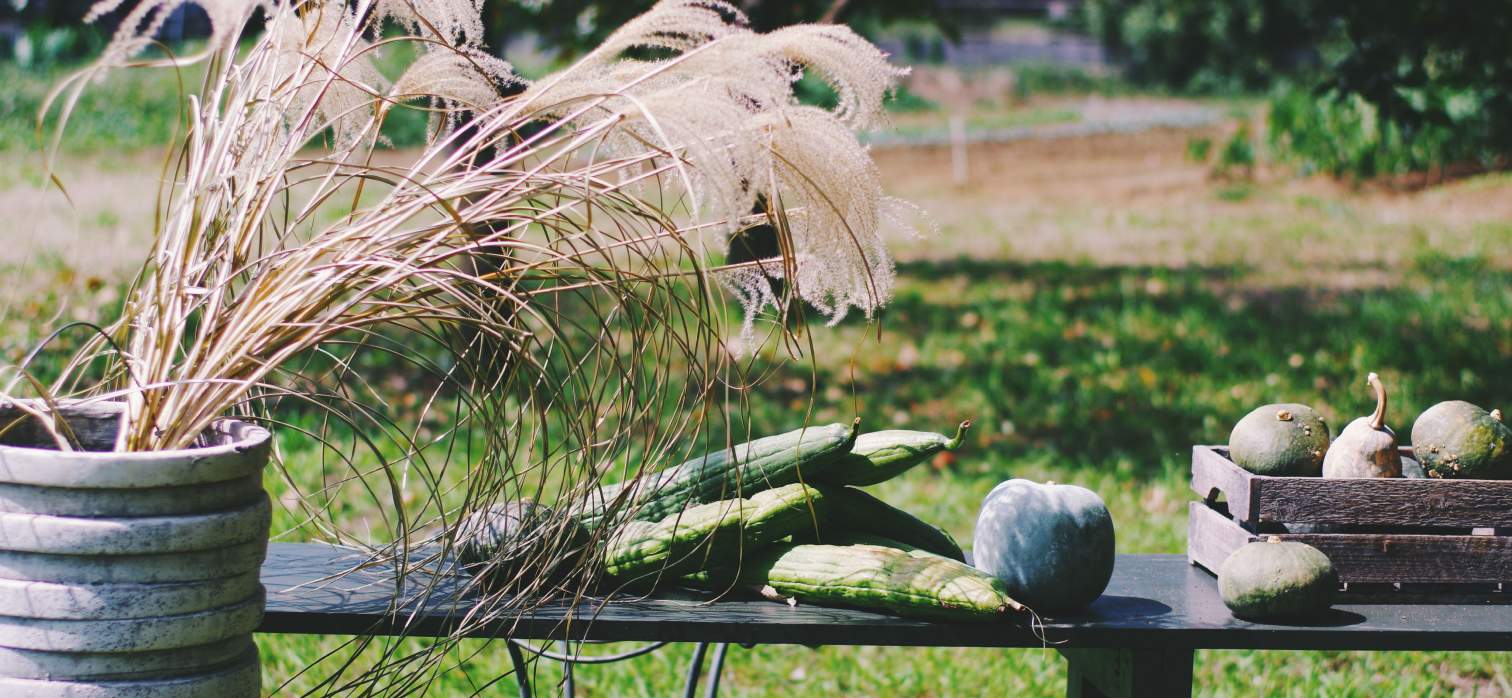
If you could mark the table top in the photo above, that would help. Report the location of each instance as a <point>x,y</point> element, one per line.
<point>1153,601</point>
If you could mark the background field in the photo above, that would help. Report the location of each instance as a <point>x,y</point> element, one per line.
<point>1097,304</point>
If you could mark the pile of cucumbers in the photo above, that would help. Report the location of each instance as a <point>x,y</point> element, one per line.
<point>782,516</point>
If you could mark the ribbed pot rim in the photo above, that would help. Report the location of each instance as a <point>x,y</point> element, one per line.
<point>235,435</point>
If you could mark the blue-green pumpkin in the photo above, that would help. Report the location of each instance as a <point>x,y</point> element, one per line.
<point>1276,580</point>
<point>1051,545</point>
<point>1456,439</point>
<point>1282,439</point>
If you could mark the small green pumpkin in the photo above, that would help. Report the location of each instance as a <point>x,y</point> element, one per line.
<point>1051,545</point>
<point>1367,447</point>
<point>1277,580</point>
<point>1456,439</point>
<point>1281,439</point>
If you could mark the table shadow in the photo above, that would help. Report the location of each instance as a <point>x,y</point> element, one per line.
<point>1332,618</point>
<point>1114,607</point>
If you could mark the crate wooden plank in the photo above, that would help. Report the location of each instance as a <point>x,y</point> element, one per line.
<point>1366,558</point>
<point>1212,536</point>
<point>1383,558</point>
<point>1393,502</point>
<point>1214,473</point>
<point>1256,499</point>
<point>1421,594</point>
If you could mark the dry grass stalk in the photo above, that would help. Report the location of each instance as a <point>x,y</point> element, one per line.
<point>594,333</point>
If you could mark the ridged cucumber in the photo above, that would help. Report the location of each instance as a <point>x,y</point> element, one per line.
<point>879,578</point>
<point>847,508</point>
<point>796,456</point>
<point>848,536</point>
<point>515,544</point>
<point>879,456</point>
<point>724,577</point>
<point>710,535</point>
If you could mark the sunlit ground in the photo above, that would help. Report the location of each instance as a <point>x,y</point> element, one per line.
<point>1097,305</point>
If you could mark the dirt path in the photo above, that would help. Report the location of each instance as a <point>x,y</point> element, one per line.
<point>1136,199</point>
<point>1112,198</point>
<point>1074,118</point>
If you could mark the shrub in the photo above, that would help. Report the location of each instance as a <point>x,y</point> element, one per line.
<point>1382,88</point>
<point>1238,153</point>
<point>1344,134</point>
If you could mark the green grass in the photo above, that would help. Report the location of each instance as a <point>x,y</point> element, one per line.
<point>1102,375</point>
<point>992,119</point>
<point>132,109</point>
<point>1052,79</point>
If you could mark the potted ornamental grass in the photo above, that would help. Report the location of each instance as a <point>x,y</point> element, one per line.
<point>534,300</point>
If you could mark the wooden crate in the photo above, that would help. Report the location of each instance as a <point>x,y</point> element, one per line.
<point>1425,537</point>
<point>1259,499</point>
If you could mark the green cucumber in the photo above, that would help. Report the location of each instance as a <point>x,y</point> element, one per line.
<point>833,536</point>
<point>723,577</point>
<point>882,455</point>
<point>741,471</point>
<point>878,578</point>
<point>709,535</point>
<point>850,509</point>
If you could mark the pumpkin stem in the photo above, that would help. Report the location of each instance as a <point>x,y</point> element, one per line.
<point>1378,419</point>
<point>960,434</point>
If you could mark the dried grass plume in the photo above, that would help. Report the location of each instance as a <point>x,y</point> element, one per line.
<point>544,277</point>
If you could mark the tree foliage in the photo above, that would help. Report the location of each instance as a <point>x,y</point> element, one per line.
<point>1204,46</point>
<point>1429,66</point>
<point>1367,87</point>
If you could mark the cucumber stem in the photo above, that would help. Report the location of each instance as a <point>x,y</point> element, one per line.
<point>960,434</point>
<point>1378,419</point>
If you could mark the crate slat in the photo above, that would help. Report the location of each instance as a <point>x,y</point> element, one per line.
<point>1365,558</point>
<point>1389,557</point>
<point>1256,499</point>
<point>1213,474</point>
<point>1212,536</point>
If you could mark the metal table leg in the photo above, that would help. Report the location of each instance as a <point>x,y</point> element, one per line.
<point>694,667</point>
<point>712,689</point>
<point>522,677</point>
<point>567,658</point>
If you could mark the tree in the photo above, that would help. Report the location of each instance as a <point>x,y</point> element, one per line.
<point>1386,85</point>
<point>1205,46</point>
<point>1444,66</point>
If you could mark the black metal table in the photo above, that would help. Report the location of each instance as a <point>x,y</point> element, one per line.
<point>1136,640</point>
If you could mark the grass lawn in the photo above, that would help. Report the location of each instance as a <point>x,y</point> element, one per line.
<point>1096,305</point>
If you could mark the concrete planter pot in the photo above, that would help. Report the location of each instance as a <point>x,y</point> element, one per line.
<point>129,574</point>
